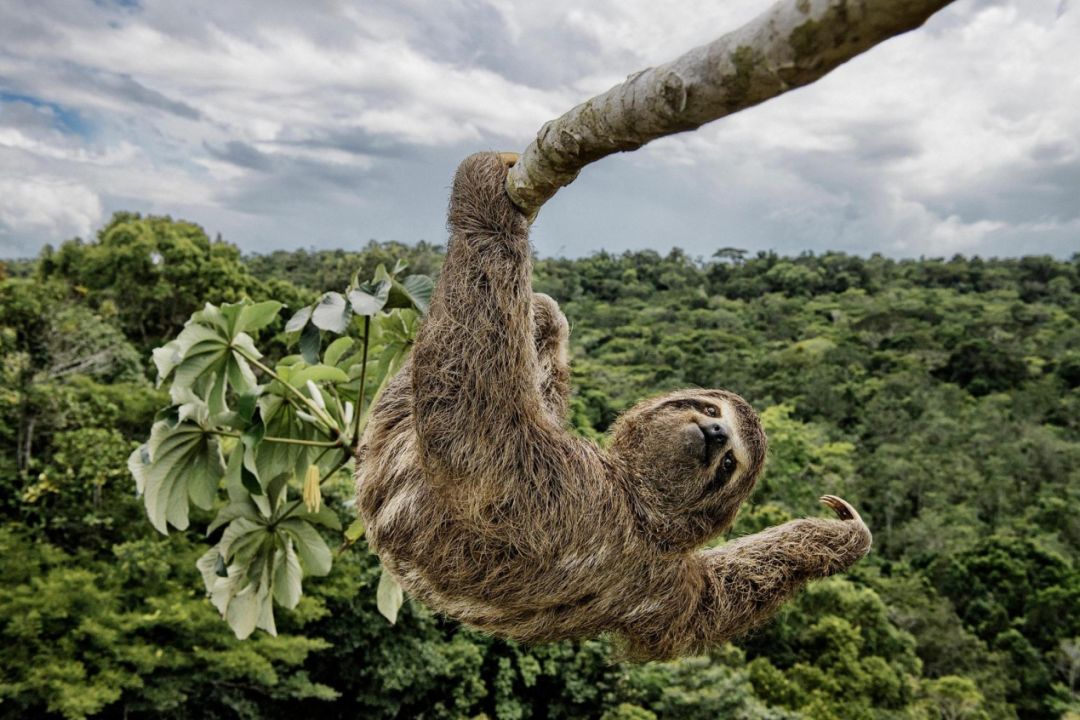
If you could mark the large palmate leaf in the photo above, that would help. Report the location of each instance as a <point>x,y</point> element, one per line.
<point>234,318</point>
<point>210,354</point>
<point>180,462</point>
<point>237,577</point>
<point>262,558</point>
<point>281,419</point>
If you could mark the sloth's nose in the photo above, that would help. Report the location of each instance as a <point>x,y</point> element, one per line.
<point>714,432</point>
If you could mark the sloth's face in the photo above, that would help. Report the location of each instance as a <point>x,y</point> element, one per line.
<point>694,456</point>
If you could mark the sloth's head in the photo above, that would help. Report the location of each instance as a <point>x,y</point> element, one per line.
<point>691,458</point>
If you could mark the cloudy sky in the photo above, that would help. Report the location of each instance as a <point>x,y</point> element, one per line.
<point>323,124</point>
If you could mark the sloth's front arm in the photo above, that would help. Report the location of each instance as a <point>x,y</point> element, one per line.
<point>477,402</point>
<point>730,589</point>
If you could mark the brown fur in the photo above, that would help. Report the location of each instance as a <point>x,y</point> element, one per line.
<point>482,504</point>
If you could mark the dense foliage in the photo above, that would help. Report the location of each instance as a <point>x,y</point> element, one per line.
<point>941,397</point>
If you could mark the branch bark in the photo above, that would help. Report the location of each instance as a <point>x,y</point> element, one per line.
<point>792,44</point>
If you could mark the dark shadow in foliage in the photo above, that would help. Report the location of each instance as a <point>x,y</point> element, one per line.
<point>982,367</point>
<point>1021,600</point>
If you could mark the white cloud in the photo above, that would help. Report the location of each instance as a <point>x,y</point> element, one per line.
<point>43,209</point>
<point>318,122</point>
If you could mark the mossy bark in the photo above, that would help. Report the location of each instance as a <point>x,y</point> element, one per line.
<point>790,45</point>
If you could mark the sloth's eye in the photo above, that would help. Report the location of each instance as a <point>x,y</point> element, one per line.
<point>710,410</point>
<point>728,463</point>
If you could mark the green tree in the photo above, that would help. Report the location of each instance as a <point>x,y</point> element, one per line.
<point>150,273</point>
<point>953,698</point>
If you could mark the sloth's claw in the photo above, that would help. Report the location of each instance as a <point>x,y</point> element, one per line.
<point>841,507</point>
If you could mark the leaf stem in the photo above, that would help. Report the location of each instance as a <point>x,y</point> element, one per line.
<point>297,441</point>
<point>225,433</point>
<point>308,402</point>
<point>337,399</point>
<point>363,378</point>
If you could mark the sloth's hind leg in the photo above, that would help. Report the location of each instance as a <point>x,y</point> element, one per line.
<point>551,333</point>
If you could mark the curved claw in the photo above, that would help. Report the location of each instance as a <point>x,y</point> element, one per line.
<point>841,507</point>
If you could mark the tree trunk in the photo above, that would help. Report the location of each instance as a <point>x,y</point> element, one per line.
<point>792,44</point>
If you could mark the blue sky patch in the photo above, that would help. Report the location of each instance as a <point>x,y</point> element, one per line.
<point>68,120</point>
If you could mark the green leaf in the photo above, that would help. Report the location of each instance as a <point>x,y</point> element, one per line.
<point>229,419</point>
<point>251,608</point>
<point>275,487</point>
<point>281,420</point>
<point>418,289</point>
<point>336,349</point>
<point>258,315</point>
<point>212,358</point>
<point>389,596</point>
<point>237,509</point>
<point>244,550</point>
<point>246,406</point>
<point>332,313</point>
<point>317,373</point>
<point>242,613</point>
<point>266,614</point>
<point>325,517</point>
<point>370,298</point>
<point>243,596</point>
<point>216,387</point>
<point>208,565</point>
<point>241,476</point>
<point>314,553</point>
<point>398,327</point>
<point>251,477</point>
<point>254,433</point>
<point>242,538</point>
<point>250,481</point>
<point>179,463</point>
<point>390,361</point>
<point>166,358</point>
<point>211,316</point>
<point>355,531</point>
<point>309,344</point>
<point>299,319</point>
<point>287,576</point>
<point>170,414</point>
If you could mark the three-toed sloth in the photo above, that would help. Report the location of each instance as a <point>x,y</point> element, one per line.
<point>484,506</point>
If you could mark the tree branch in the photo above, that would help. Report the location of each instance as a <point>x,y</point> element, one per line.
<point>792,44</point>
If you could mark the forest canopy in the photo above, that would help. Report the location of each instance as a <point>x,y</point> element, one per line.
<point>940,396</point>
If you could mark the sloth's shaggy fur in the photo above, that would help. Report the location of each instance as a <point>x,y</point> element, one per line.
<point>482,504</point>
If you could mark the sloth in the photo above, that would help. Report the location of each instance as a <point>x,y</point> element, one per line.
<point>483,505</point>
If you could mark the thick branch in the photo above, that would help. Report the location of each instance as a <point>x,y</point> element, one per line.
<point>790,45</point>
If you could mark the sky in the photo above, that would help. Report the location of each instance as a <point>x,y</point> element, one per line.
<point>319,124</point>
